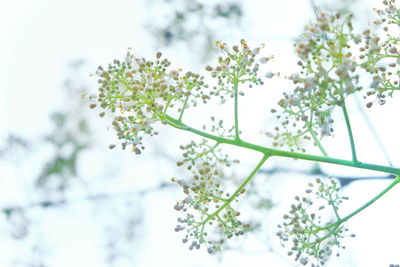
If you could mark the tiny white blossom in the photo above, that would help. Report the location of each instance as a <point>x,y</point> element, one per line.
<point>224,47</point>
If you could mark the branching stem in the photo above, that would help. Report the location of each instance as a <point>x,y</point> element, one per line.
<point>183,108</point>
<point>280,153</point>
<point>237,191</point>
<point>366,205</point>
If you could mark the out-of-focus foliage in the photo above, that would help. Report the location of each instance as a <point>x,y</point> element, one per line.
<point>11,144</point>
<point>69,137</point>
<point>50,185</point>
<point>62,166</point>
<point>193,21</point>
<point>341,6</point>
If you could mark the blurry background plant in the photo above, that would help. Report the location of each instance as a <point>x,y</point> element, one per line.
<point>194,23</point>
<point>56,182</point>
<point>61,183</point>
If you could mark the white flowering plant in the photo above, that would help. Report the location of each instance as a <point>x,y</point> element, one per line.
<point>140,93</point>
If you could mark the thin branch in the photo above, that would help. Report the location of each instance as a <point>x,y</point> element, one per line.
<point>236,89</point>
<point>281,153</point>
<point>366,205</point>
<point>93,197</point>
<point>348,125</point>
<point>317,142</point>
<point>183,108</point>
<point>237,191</point>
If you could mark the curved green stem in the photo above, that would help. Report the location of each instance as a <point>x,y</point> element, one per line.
<point>268,152</point>
<point>237,191</point>
<point>366,205</point>
<point>280,153</point>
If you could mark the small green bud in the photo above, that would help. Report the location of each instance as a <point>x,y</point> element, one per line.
<point>209,68</point>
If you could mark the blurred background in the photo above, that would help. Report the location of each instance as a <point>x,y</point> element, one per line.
<point>67,200</point>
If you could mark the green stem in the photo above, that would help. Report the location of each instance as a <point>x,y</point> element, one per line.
<point>167,106</point>
<point>384,191</point>
<point>237,192</point>
<point>211,149</point>
<point>388,55</point>
<point>346,117</point>
<point>330,232</point>
<point>317,142</point>
<point>280,153</point>
<point>183,108</point>
<point>335,209</point>
<point>236,89</point>
<point>366,205</point>
<point>268,152</point>
<point>239,189</point>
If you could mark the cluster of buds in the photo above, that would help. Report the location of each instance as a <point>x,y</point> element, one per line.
<point>307,230</point>
<point>390,13</point>
<point>139,93</point>
<point>328,75</point>
<point>286,138</point>
<point>218,128</point>
<point>239,64</point>
<point>208,215</point>
<point>381,54</point>
<point>204,151</point>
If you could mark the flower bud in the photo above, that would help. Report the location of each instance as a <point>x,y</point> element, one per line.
<point>209,68</point>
